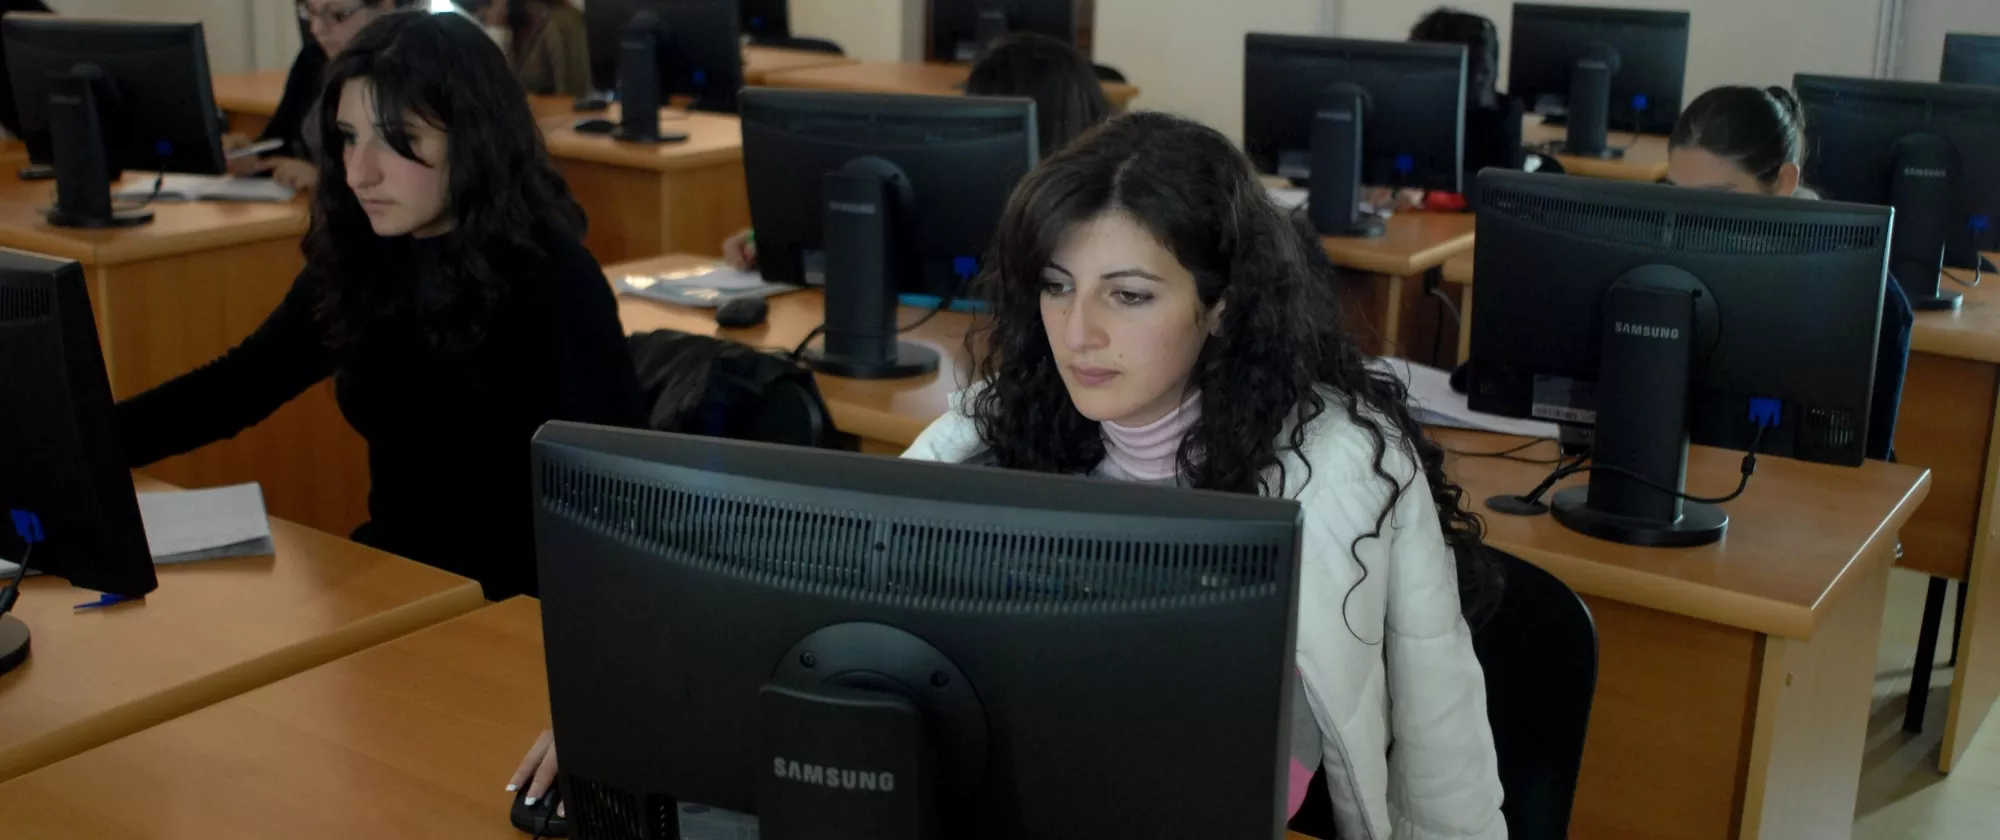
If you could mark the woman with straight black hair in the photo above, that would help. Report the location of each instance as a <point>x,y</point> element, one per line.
<point>1492,119</point>
<point>446,293</point>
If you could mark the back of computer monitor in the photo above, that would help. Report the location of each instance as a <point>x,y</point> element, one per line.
<point>959,158</point>
<point>766,18</point>
<point>1971,59</point>
<point>788,633</point>
<point>1923,147</point>
<point>697,47</point>
<point>1646,91</point>
<point>1789,305</point>
<point>956,29</point>
<point>1414,133</point>
<point>160,113</point>
<point>59,452</point>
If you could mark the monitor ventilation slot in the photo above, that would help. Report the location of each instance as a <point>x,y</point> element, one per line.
<point>604,812</point>
<point>1686,233</point>
<point>907,560</point>
<point>1830,430</point>
<point>26,303</point>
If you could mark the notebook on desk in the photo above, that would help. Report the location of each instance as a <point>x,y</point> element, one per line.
<point>707,287</point>
<point>184,526</point>
<point>204,188</point>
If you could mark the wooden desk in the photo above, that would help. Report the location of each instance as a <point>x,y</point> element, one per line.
<point>644,201</point>
<point>250,99</point>
<point>1645,161</point>
<point>1734,680</point>
<point>1391,302</point>
<point>938,78</point>
<point>173,295</point>
<point>887,415</point>
<point>410,739</point>
<point>759,63</point>
<point>212,630</point>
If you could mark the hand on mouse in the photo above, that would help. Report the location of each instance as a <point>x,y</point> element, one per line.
<point>538,768</point>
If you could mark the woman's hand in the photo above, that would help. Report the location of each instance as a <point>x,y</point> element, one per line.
<point>740,251</point>
<point>538,768</point>
<point>243,166</point>
<point>294,173</point>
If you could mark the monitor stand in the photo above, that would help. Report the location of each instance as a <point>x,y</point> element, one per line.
<point>83,170</point>
<point>639,82</point>
<point>1590,107</point>
<point>866,203</point>
<point>13,643</point>
<point>1333,196</point>
<point>1651,323</point>
<point>1924,168</point>
<point>988,25</point>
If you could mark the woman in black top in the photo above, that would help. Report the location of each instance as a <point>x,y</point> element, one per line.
<point>1492,118</point>
<point>448,295</point>
<point>331,24</point>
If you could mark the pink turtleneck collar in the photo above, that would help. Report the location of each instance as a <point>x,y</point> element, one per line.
<point>1150,452</point>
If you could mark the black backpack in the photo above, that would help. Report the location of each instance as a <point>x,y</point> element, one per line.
<point>699,385</point>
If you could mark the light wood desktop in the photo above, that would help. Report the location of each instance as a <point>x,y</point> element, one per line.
<point>1644,161</point>
<point>174,294</point>
<point>410,739</point>
<point>1950,424</point>
<point>684,197</point>
<point>887,415</point>
<point>937,78</point>
<point>1734,680</point>
<point>212,630</point>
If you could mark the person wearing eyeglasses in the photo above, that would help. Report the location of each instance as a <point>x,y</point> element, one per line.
<point>331,23</point>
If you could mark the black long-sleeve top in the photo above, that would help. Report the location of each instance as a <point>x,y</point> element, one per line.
<point>302,86</point>
<point>448,431</point>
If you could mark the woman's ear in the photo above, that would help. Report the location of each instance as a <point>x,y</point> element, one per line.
<point>1788,180</point>
<point>1214,318</point>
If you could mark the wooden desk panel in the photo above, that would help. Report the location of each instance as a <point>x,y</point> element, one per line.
<point>212,630</point>
<point>887,414</point>
<point>1644,162</point>
<point>936,78</point>
<point>1388,312</point>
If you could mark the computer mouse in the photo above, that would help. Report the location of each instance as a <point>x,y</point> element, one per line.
<point>595,125</point>
<point>540,818</point>
<point>742,313</point>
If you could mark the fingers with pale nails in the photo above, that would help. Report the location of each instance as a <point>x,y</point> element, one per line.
<point>538,768</point>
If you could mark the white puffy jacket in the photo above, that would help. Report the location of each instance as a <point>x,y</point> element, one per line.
<point>1393,682</point>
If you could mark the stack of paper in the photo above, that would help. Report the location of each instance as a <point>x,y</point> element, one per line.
<point>205,188</point>
<point>708,287</point>
<point>183,526</point>
<point>1436,404</point>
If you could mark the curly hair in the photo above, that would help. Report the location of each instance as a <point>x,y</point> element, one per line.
<point>1280,360</point>
<point>506,196</point>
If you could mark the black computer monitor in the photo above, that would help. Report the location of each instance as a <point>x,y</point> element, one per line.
<point>1971,59</point>
<point>961,30</point>
<point>852,647</point>
<point>1599,69</point>
<point>876,195</point>
<point>1338,113</point>
<point>1661,315</point>
<point>1926,149</point>
<point>766,18</point>
<point>59,453</point>
<point>652,50</point>
<point>97,97</point>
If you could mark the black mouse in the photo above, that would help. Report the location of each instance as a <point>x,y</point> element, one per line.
<point>595,125</point>
<point>742,313</point>
<point>540,818</point>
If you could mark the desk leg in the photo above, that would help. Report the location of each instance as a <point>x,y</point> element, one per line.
<point>1811,721</point>
<point>1976,682</point>
<point>1464,323</point>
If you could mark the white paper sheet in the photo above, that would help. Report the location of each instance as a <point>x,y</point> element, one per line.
<point>1438,405</point>
<point>187,525</point>
<point>706,286</point>
<point>205,188</point>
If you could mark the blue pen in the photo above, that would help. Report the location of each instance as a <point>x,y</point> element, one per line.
<point>105,600</point>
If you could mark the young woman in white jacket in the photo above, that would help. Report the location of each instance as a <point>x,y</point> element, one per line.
<point>1155,317</point>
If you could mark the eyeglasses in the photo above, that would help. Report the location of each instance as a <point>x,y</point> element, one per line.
<point>330,17</point>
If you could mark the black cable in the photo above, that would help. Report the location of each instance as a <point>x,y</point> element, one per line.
<point>1512,454</point>
<point>1978,274</point>
<point>13,590</point>
<point>1749,467</point>
<point>943,304</point>
<point>146,202</point>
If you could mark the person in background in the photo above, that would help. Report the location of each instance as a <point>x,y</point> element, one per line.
<point>1492,118</point>
<point>1753,140</point>
<point>10,113</point>
<point>551,49</point>
<point>1069,100</point>
<point>447,294</point>
<point>491,15</point>
<point>331,23</point>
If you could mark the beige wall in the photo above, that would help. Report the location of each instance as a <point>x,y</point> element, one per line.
<point>242,35</point>
<point>1925,23</point>
<point>1762,42</point>
<point>1186,56</point>
<point>875,30</point>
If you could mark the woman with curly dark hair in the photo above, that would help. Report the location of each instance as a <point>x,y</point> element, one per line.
<point>446,293</point>
<point>1155,317</point>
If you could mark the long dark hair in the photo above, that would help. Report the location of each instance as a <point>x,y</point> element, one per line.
<point>1758,129</point>
<point>506,197</point>
<point>1279,362</point>
<point>1481,38</point>
<point>1069,100</point>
